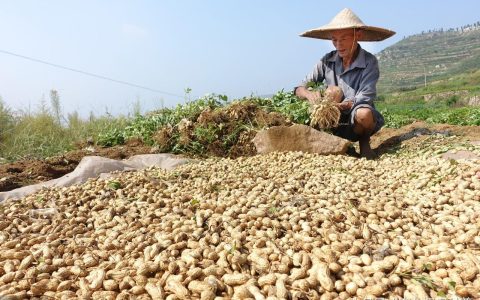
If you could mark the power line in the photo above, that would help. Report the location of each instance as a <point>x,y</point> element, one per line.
<point>90,74</point>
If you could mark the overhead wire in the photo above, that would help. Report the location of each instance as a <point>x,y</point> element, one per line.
<point>91,74</point>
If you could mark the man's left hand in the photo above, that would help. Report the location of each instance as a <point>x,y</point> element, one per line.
<point>345,105</point>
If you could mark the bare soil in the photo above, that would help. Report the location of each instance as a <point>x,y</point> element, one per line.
<point>389,139</point>
<point>31,171</point>
<point>26,172</point>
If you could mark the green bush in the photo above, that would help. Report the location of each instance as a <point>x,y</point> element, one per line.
<point>452,100</point>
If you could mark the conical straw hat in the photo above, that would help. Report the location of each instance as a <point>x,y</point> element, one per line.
<point>348,19</point>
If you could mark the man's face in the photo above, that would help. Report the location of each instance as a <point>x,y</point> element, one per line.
<point>344,41</point>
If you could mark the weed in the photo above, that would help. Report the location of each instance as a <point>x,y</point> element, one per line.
<point>424,280</point>
<point>273,210</point>
<point>114,185</point>
<point>232,248</point>
<point>194,203</point>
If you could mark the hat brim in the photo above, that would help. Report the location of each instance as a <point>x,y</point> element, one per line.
<point>370,33</point>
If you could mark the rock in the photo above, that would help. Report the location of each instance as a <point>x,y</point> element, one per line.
<point>474,101</point>
<point>299,138</point>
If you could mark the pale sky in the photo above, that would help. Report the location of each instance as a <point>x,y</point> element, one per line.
<point>237,48</point>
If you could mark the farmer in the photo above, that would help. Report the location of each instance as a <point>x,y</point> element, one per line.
<point>354,71</point>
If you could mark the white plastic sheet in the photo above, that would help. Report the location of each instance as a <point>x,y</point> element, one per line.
<point>93,166</point>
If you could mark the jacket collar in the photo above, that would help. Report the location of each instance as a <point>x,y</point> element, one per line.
<point>359,62</point>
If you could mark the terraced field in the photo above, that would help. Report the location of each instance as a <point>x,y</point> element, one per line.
<point>435,55</point>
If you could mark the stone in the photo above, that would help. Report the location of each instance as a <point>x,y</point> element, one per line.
<point>299,138</point>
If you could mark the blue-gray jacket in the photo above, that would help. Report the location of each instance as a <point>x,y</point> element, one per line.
<point>358,82</point>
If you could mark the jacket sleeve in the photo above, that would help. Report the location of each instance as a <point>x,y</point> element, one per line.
<point>317,75</point>
<point>367,90</point>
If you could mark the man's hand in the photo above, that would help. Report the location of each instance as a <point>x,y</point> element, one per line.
<point>311,96</point>
<point>345,105</point>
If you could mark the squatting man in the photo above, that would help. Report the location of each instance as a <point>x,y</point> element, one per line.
<point>352,70</point>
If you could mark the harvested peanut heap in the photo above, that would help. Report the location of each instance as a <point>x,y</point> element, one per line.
<point>324,114</point>
<point>276,226</point>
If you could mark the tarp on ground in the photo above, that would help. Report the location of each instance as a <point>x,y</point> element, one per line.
<point>94,166</point>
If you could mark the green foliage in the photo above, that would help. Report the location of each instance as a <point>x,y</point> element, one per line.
<point>207,134</point>
<point>191,110</point>
<point>317,86</point>
<point>460,116</point>
<point>141,127</point>
<point>452,100</point>
<point>231,138</point>
<point>289,105</point>
<point>397,114</point>
<point>144,127</point>
<point>47,132</point>
<point>111,138</point>
<point>193,147</point>
<point>393,120</point>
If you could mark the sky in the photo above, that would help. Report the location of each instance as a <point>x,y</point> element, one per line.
<point>236,48</point>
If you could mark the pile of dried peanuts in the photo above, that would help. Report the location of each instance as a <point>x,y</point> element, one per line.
<point>275,226</point>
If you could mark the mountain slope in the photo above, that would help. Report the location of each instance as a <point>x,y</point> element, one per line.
<point>429,57</point>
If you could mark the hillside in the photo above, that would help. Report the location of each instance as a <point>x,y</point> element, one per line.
<point>434,56</point>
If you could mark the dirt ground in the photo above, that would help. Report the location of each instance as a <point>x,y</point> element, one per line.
<point>389,139</point>
<point>26,172</point>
